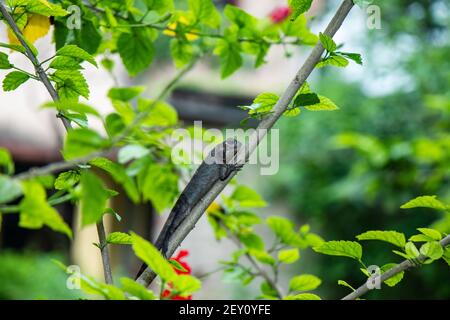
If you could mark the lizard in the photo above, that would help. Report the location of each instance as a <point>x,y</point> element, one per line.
<point>218,165</point>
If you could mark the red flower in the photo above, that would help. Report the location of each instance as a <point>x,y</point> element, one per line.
<point>280,14</point>
<point>187,270</point>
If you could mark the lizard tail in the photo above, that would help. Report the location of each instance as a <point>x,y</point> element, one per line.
<point>176,217</point>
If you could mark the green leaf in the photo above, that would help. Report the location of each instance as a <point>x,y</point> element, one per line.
<point>306,99</point>
<point>70,84</point>
<point>205,12</point>
<point>72,106</point>
<point>327,42</point>
<point>182,52</point>
<point>136,49</point>
<point>432,250</point>
<point>14,79</point>
<point>299,7</point>
<point>411,250</point>
<point>67,180</point>
<point>93,198</point>
<point>262,256</point>
<point>119,175</point>
<point>160,114</point>
<point>252,241</point>
<point>4,61</point>
<point>288,255</point>
<point>185,284</point>
<point>80,142</point>
<point>119,238</point>
<point>345,284</point>
<point>302,296</point>
<point>153,258</point>
<point>305,282</point>
<point>396,238</point>
<point>247,197</point>
<point>9,189</point>
<point>65,63</point>
<point>425,202</point>
<point>76,52</point>
<point>284,230</point>
<point>160,6</point>
<point>136,290</point>
<point>263,103</point>
<point>393,281</point>
<point>125,94</point>
<point>132,152</point>
<point>6,161</point>
<point>431,233</point>
<point>325,104</point>
<point>42,7</point>
<point>342,248</point>
<point>356,57</point>
<point>35,212</point>
<point>230,57</point>
<point>240,18</point>
<point>15,47</point>
<point>159,184</point>
<point>333,60</point>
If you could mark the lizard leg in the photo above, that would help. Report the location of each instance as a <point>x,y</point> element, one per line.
<point>227,169</point>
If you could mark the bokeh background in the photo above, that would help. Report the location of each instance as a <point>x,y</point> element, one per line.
<point>341,172</point>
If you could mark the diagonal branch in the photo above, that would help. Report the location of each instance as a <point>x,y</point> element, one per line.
<point>188,225</point>
<point>405,265</point>
<point>37,65</point>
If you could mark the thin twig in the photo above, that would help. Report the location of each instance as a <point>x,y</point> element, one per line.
<point>244,153</point>
<point>103,246</point>
<point>405,265</point>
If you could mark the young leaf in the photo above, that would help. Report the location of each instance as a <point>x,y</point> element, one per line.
<point>80,142</point>
<point>14,79</point>
<point>67,180</point>
<point>36,212</point>
<point>327,42</point>
<point>396,238</point>
<point>431,233</point>
<point>119,175</point>
<point>247,197</point>
<point>205,12</point>
<point>6,161</point>
<point>4,61</point>
<point>432,250</point>
<point>125,94</point>
<point>136,49</point>
<point>153,258</point>
<point>299,7</point>
<point>393,281</point>
<point>230,57</point>
<point>349,249</point>
<point>71,84</point>
<point>425,202</point>
<point>76,52</point>
<point>119,238</point>
<point>305,282</point>
<point>93,198</point>
<point>136,290</point>
<point>302,296</point>
<point>289,255</point>
<point>411,250</point>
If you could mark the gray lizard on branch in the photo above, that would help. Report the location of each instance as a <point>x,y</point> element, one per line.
<point>218,165</point>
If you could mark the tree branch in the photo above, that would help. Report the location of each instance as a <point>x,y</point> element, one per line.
<point>188,225</point>
<point>405,265</point>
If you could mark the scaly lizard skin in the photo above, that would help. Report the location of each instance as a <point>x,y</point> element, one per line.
<point>219,164</point>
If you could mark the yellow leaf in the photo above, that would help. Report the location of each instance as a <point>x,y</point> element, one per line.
<point>213,207</point>
<point>171,27</point>
<point>36,27</point>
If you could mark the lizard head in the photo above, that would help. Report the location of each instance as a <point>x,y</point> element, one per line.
<point>225,152</point>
